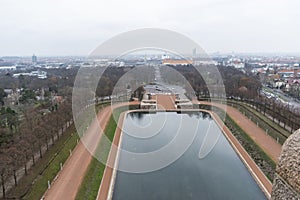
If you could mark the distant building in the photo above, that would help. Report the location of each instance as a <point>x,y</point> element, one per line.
<point>289,73</point>
<point>236,63</point>
<point>7,68</point>
<point>165,56</point>
<point>34,59</point>
<point>21,67</point>
<point>296,67</point>
<point>175,62</point>
<point>39,74</point>
<point>204,61</point>
<point>194,53</point>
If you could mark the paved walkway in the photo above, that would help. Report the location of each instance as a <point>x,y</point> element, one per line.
<point>266,142</point>
<point>166,102</point>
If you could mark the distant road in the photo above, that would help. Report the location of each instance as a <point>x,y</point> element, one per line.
<point>279,95</point>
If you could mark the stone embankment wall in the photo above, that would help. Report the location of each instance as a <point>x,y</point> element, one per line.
<point>286,184</point>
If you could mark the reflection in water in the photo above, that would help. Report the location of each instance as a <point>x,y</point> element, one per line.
<point>220,175</point>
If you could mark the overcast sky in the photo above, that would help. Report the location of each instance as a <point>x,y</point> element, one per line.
<point>73,27</point>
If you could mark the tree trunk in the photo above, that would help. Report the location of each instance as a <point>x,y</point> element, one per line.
<point>15,177</point>
<point>52,139</point>
<point>57,134</point>
<point>33,161</point>
<point>25,168</point>
<point>3,186</point>
<point>47,144</point>
<point>41,152</point>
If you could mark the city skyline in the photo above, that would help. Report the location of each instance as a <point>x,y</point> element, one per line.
<point>61,28</point>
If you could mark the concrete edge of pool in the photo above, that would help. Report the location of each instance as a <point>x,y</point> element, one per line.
<point>108,180</point>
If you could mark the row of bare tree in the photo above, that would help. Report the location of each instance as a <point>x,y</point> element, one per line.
<point>36,131</point>
<point>283,114</point>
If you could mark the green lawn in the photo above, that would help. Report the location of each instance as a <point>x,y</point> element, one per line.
<point>264,161</point>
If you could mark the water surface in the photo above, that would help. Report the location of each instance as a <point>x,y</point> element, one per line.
<point>220,175</point>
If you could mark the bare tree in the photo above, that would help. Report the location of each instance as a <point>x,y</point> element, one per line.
<point>15,154</point>
<point>5,166</point>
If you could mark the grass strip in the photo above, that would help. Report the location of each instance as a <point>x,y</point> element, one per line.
<point>263,160</point>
